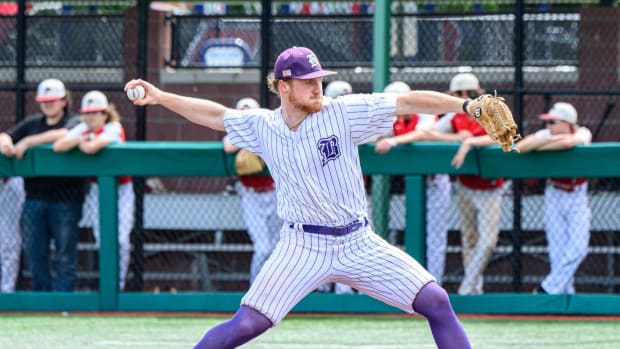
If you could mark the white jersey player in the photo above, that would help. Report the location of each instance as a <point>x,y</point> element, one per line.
<point>12,198</point>
<point>259,205</point>
<point>408,129</point>
<point>101,126</point>
<point>311,148</point>
<point>336,89</point>
<point>478,199</point>
<point>566,209</point>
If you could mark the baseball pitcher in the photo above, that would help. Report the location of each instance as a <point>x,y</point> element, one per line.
<point>311,148</point>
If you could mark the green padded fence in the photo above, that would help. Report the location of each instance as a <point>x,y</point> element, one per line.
<point>208,159</point>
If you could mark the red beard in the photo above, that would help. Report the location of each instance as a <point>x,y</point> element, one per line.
<point>311,107</point>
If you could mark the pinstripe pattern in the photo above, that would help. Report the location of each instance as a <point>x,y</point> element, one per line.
<point>310,189</point>
<point>12,198</point>
<point>319,181</point>
<point>303,261</point>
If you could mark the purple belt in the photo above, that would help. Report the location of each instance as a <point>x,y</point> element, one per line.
<point>335,231</point>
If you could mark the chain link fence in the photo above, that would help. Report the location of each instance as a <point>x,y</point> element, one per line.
<point>189,233</point>
<point>83,44</point>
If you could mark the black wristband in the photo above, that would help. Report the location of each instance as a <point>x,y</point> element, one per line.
<point>466,104</point>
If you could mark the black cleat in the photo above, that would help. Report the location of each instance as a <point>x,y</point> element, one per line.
<point>539,290</point>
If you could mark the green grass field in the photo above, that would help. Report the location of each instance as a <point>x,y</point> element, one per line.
<point>52,331</point>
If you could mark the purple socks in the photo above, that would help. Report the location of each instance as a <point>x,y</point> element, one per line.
<point>433,303</point>
<point>244,326</point>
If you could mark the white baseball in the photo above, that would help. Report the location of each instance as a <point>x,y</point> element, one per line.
<point>135,93</point>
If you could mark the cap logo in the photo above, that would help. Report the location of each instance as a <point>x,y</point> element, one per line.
<point>312,60</point>
<point>47,90</point>
<point>286,73</point>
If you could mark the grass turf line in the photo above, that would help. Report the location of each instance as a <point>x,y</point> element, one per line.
<point>343,332</point>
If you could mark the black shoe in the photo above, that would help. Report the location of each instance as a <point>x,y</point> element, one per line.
<point>229,189</point>
<point>539,290</point>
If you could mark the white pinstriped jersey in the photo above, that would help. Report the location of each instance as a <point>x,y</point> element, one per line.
<point>583,134</point>
<point>112,131</point>
<point>316,168</point>
<point>426,121</point>
<point>445,123</point>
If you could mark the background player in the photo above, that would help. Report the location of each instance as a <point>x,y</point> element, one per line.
<point>12,201</point>
<point>101,126</point>
<point>408,129</point>
<point>53,205</point>
<point>259,204</point>
<point>311,149</point>
<point>336,89</point>
<point>478,199</point>
<point>566,209</point>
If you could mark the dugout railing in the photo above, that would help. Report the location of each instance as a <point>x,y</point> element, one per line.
<point>208,159</point>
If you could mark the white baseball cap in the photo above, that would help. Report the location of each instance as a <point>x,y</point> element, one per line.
<point>561,111</point>
<point>247,103</point>
<point>464,82</point>
<point>94,101</point>
<point>50,90</point>
<point>337,88</point>
<point>397,87</point>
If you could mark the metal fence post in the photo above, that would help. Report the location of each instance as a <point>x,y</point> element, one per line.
<point>139,182</point>
<point>381,63</point>
<point>108,248</point>
<point>517,183</point>
<point>20,64</point>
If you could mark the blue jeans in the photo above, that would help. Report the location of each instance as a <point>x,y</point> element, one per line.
<point>41,222</point>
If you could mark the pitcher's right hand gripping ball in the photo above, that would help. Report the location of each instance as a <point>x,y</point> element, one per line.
<point>493,114</point>
<point>142,93</point>
<point>135,93</point>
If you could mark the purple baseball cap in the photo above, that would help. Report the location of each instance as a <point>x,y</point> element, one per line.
<point>299,63</point>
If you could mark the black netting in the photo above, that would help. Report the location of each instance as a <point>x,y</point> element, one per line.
<point>93,41</point>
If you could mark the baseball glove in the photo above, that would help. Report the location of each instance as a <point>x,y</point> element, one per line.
<point>493,114</point>
<point>247,163</point>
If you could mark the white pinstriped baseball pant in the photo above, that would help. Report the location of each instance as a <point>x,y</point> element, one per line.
<point>261,217</point>
<point>438,198</point>
<point>303,261</point>
<point>125,223</point>
<point>12,198</point>
<point>567,228</point>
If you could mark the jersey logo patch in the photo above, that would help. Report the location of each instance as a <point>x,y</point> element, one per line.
<point>329,149</point>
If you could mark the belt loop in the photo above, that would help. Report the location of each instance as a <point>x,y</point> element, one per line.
<point>363,221</point>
